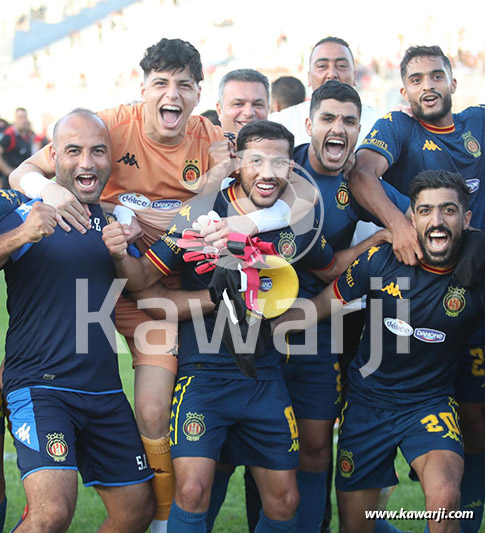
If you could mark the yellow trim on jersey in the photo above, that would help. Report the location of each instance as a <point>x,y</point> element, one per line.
<point>180,398</point>
<point>157,262</point>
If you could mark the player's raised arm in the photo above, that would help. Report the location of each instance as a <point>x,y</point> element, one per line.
<point>33,178</point>
<point>365,186</point>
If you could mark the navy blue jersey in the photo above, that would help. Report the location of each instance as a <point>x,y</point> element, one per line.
<point>308,249</point>
<point>411,146</point>
<point>342,212</point>
<point>42,304</point>
<point>441,319</point>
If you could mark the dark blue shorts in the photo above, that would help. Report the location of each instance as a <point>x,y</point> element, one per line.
<point>470,377</point>
<point>93,433</point>
<point>254,419</point>
<point>369,439</point>
<point>313,382</point>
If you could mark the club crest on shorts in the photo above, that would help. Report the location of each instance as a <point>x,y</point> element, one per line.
<point>454,301</point>
<point>57,447</point>
<point>191,173</point>
<point>342,196</point>
<point>346,463</point>
<point>194,426</point>
<point>287,245</point>
<point>472,146</point>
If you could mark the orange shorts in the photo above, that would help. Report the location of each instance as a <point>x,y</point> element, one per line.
<point>155,345</point>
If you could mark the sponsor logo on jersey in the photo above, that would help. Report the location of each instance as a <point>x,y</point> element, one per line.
<point>376,142</point>
<point>393,290</point>
<point>166,205</point>
<point>472,146</point>
<point>134,200</point>
<point>342,196</point>
<point>194,426</point>
<point>346,463</point>
<point>454,301</point>
<point>191,173</point>
<point>473,184</point>
<point>24,209</point>
<point>348,276</point>
<point>56,447</point>
<point>429,335</point>
<point>430,145</point>
<point>128,159</point>
<point>8,195</point>
<point>23,433</point>
<point>287,245</point>
<point>265,284</point>
<point>398,327</point>
<point>323,242</point>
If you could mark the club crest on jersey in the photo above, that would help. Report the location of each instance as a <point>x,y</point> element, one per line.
<point>472,146</point>
<point>454,301</point>
<point>287,245</point>
<point>342,196</point>
<point>57,447</point>
<point>346,463</point>
<point>191,173</point>
<point>194,426</point>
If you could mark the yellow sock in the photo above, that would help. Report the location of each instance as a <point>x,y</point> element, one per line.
<point>160,460</point>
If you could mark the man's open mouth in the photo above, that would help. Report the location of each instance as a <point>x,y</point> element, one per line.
<point>170,115</point>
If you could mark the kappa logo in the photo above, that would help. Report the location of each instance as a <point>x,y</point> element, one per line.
<point>128,159</point>
<point>24,209</point>
<point>23,433</point>
<point>430,145</point>
<point>393,290</point>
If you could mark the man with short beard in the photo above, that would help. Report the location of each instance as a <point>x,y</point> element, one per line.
<point>66,404</point>
<point>401,395</point>
<point>397,148</point>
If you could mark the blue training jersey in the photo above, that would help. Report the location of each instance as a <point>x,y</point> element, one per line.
<point>341,214</point>
<point>307,249</point>
<point>411,146</point>
<point>435,333</point>
<point>43,306</point>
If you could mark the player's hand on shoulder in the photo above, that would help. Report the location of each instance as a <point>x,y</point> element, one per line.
<point>70,211</point>
<point>40,222</point>
<point>115,239</point>
<point>405,242</point>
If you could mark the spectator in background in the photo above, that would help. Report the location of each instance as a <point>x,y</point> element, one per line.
<point>15,145</point>
<point>286,91</point>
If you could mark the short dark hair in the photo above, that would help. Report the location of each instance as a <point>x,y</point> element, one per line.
<point>21,109</point>
<point>335,90</point>
<point>420,51</point>
<point>170,55</point>
<point>438,179</point>
<point>336,40</point>
<point>211,114</point>
<point>264,129</point>
<point>288,90</point>
<point>242,74</point>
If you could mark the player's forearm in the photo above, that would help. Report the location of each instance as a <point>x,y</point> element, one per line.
<point>136,271</point>
<point>10,242</point>
<point>181,299</point>
<point>35,163</point>
<point>369,193</point>
<point>5,168</point>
